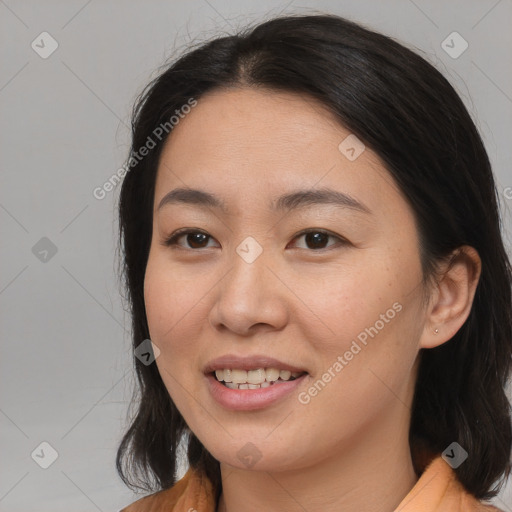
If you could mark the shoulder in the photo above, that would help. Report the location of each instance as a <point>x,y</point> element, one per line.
<point>489,508</point>
<point>193,491</point>
<point>439,490</point>
<point>161,500</point>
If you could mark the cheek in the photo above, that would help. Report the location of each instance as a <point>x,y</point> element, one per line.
<point>371,317</point>
<point>158,299</point>
<point>166,307</point>
<point>170,299</point>
<point>353,299</point>
<point>174,312</point>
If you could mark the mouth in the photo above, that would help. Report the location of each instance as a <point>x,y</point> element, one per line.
<point>258,378</point>
<point>252,382</point>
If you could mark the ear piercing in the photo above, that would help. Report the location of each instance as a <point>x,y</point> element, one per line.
<point>436,331</point>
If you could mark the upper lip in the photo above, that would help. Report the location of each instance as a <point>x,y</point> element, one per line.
<point>232,361</point>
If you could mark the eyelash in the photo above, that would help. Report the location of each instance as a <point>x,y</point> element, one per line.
<point>172,240</point>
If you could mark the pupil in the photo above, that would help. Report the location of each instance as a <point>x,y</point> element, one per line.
<point>316,238</point>
<point>198,237</point>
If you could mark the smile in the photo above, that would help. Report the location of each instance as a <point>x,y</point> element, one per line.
<point>254,379</point>
<point>245,396</point>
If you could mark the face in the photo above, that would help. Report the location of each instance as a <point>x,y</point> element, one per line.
<point>340,304</point>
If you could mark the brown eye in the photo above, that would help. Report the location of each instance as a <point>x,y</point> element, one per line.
<point>195,239</point>
<point>316,239</point>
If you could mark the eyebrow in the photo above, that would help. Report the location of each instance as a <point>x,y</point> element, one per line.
<point>298,199</point>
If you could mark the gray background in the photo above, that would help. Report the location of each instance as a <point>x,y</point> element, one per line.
<point>65,369</point>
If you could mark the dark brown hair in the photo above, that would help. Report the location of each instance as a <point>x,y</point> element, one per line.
<point>404,110</point>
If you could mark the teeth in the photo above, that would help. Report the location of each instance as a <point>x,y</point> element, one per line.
<point>272,374</point>
<point>256,376</point>
<point>239,376</point>
<point>285,374</point>
<point>253,379</point>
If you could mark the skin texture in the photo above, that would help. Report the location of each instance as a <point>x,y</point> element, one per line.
<point>347,448</point>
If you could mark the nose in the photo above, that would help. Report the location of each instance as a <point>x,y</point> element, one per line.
<point>250,297</point>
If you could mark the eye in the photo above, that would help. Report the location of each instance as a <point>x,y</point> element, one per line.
<point>196,239</point>
<point>317,238</point>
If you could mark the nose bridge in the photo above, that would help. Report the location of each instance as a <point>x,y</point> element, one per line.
<point>249,273</point>
<point>246,296</point>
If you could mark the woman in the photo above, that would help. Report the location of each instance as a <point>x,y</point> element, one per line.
<point>312,244</point>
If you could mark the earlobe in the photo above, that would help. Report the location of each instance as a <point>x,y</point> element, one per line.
<point>452,298</point>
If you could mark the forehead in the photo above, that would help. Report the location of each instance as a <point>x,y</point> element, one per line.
<point>247,118</point>
<point>241,143</point>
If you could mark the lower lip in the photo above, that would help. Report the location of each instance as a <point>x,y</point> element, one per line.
<point>251,399</point>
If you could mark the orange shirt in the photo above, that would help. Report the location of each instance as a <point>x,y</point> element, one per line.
<point>437,490</point>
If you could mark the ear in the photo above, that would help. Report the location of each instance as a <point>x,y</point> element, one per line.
<point>452,297</point>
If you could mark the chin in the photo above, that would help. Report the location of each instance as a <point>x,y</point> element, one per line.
<point>252,456</point>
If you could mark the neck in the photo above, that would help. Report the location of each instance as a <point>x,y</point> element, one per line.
<point>374,474</point>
